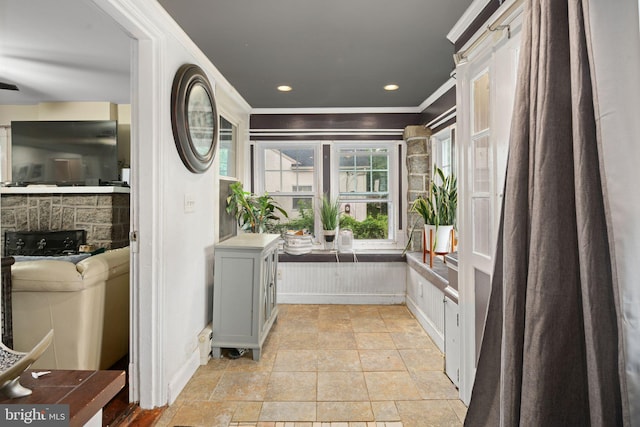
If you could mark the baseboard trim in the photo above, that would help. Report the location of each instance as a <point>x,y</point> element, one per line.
<point>307,298</point>
<point>429,327</point>
<point>182,377</point>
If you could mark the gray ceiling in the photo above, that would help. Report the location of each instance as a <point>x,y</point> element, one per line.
<point>63,50</point>
<point>335,53</point>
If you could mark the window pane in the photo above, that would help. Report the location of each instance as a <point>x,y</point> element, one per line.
<point>272,182</point>
<point>227,148</point>
<point>291,168</point>
<point>300,211</point>
<point>481,166</point>
<point>481,225</point>
<point>481,103</point>
<point>364,171</point>
<point>367,220</point>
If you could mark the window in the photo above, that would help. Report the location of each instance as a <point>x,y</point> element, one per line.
<point>227,150</point>
<point>363,189</point>
<point>290,177</point>
<point>443,149</point>
<point>363,175</point>
<point>481,166</point>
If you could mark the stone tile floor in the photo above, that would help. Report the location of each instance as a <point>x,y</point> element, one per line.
<point>327,366</point>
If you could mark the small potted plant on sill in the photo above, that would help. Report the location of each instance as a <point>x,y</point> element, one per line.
<point>438,210</point>
<point>330,217</point>
<point>253,213</point>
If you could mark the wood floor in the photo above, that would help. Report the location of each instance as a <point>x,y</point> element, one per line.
<point>120,413</point>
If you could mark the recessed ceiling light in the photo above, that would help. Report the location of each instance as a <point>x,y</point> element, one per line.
<point>391,87</point>
<point>285,88</point>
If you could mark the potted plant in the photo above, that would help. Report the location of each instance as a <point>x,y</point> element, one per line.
<point>438,210</point>
<point>329,216</point>
<point>253,213</point>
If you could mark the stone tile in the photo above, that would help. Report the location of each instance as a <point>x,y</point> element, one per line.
<point>334,325</point>
<point>385,410</point>
<point>291,386</point>
<point>247,364</point>
<point>459,408</point>
<point>423,359</point>
<point>167,415</point>
<point>381,360</point>
<point>434,385</point>
<point>200,386</point>
<point>410,340</point>
<point>197,413</point>
<point>374,341</point>
<point>427,413</point>
<point>299,341</point>
<point>288,411</point>
<point>370,311</point>
<point>403,325</point>
<point>241,386</point>
<point>339,360</point>
<point>341,387</point>
<point>333,312</point>
<point>337,341</point>
<point>395,312</point>
<point>303,325</point>
<point>296,360</point>
<point>344,411</point>
<point>247,412</point>
<point>366,324</point>
<point>391,386</point>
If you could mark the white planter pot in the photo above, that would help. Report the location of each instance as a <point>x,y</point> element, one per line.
<point>329,239</point>
<point>441,238</point>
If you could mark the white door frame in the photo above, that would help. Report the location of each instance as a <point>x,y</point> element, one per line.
<point>146,363</point>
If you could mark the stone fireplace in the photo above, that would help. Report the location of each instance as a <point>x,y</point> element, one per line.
<point>103,212</point>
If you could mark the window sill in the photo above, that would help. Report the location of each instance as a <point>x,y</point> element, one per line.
<point>356,256</point>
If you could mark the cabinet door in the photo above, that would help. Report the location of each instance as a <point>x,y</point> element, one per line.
<point>452,340</point>
<point>235,297</point>
<point>270,276</point>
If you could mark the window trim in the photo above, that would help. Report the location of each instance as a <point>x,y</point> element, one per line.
<point>331,169</point>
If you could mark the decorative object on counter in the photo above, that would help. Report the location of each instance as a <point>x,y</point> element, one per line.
<point>438,211</point>
<point>194,118</point>
<point>14,363</point>
<point>330,217</point>
<point>253,213</point>
<point>297,242</point>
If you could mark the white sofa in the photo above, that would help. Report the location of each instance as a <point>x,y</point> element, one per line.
<point>86,304</point>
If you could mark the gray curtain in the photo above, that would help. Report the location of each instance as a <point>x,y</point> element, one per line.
<point>550,352</point>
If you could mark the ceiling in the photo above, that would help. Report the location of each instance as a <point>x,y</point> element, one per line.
<point>334,53</point>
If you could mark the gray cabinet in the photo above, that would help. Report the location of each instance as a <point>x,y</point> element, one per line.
<point>244,292</point>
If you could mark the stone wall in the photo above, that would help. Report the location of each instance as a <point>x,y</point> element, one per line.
<point>105,217</point>
<point>419,177</point>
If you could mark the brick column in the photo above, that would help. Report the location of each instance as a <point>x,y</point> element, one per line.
<point>419,176</point>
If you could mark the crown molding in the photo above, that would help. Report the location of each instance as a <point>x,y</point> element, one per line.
<point>338,110</point>
<point>467,19</point>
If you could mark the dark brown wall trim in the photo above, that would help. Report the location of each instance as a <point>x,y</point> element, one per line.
<point>323,127</point>
<point>439,107</point>
<point>480,20</point>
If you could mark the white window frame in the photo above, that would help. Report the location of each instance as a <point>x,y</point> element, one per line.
<point>260,149</point>
<point>396,238</point>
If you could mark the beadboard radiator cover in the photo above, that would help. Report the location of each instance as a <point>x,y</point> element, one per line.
<point>342,283</point>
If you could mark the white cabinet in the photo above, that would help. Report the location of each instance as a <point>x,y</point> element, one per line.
<point>452,340</point>
<point>244,292</point>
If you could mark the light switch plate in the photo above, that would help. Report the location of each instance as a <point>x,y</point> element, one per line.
<point>189,203</point>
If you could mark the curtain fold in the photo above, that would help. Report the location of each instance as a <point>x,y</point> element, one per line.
<point>549,356</point>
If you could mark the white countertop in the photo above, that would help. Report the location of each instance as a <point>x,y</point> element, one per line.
<point>44,189</point>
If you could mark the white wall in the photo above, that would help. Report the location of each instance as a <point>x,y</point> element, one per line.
<point>173,260</point>
<point>616,53</point>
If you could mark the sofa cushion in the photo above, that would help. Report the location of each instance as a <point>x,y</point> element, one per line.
<point>46,275</point>
<point>64,276</point>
